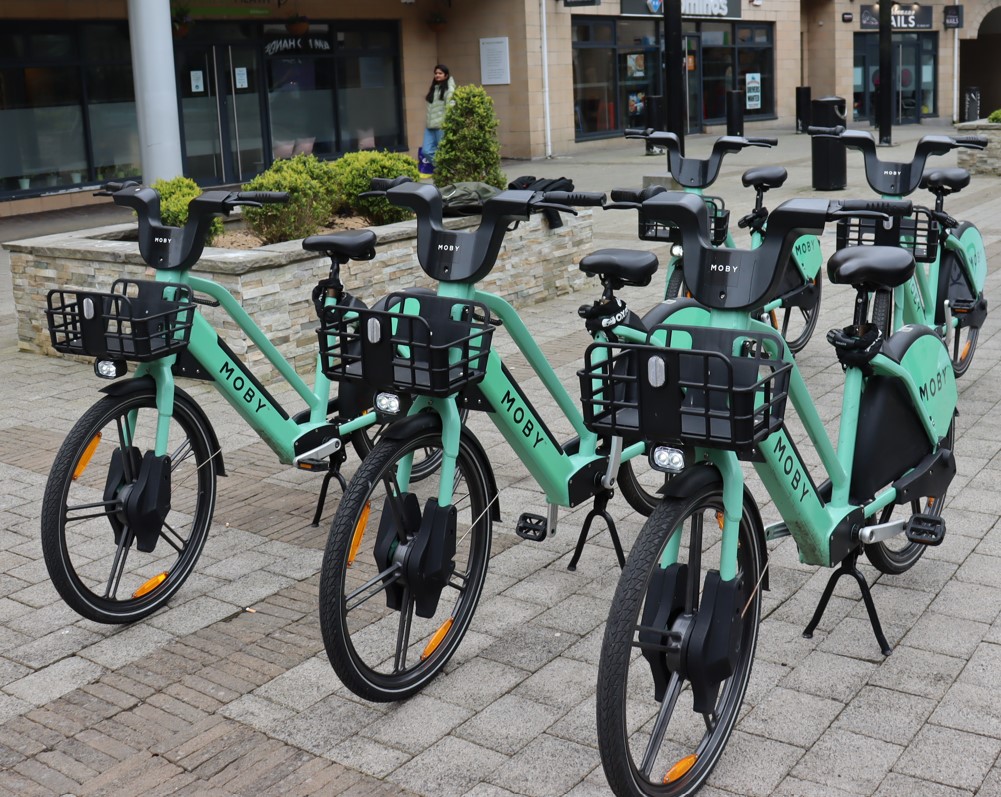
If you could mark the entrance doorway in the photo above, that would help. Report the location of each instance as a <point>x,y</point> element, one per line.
<point>221,111</point>
<point>913,83</point>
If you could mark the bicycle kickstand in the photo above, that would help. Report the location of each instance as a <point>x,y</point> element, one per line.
<point>333,472</point>
<point>600,510</point>
<point>849,567</point>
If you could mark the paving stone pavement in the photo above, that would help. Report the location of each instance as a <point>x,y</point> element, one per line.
<point>208,698</point>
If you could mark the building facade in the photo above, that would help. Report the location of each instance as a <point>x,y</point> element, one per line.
<point>255,83</point>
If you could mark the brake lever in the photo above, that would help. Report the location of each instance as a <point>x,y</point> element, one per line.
<point>622,206</point>
<point>372,193</point>
<point>554,206</point>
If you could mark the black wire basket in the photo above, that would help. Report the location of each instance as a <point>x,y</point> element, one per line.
<point>425,345</point>
<point>713,388</point>
<point>918,234</point>
<point>139,320</point>
<point>719,223</point>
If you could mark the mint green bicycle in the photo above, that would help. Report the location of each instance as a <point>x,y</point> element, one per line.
<point>682,628</point>
<point>130,496</point>
<point>405,562</point>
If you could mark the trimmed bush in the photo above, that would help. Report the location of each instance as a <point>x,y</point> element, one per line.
<point>312,199</point>
<point>353,173</point>
<point>995,117</point>
<point>175,194</point>
<point>469,151</point>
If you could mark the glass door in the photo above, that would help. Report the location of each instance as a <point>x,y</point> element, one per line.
<point>220,93</point>
<point>908,80</point>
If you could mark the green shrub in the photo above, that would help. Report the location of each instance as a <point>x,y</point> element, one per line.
<point>469,150</point>
<point>353,175</point>
<point>309,183</point>
<point>175,194</point>
<point>995,116</point>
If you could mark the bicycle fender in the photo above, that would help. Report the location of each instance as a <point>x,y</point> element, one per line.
<point>431,421</point>
<point>699,476</point>
<point>127,387</point>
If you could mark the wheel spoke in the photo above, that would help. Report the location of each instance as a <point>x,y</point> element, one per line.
<point>110,507</point>
<point>125,443</point>
<point>118,566</point>
<point>694,565</point>
<point>372,587</point>
<point>403,633</point>
<point>177,542</point>
<point>660,726</point>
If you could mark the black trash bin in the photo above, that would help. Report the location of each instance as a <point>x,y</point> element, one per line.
<point>830,160</point>
<point>802,108</point>
<point>734,112</point>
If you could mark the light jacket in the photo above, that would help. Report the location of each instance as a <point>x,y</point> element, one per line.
<point>436,108</point>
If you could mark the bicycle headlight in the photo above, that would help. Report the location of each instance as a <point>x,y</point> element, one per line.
<point>667,460</point>
<point>677,250</point>
<point>388,403</point>
<point>110,369</point>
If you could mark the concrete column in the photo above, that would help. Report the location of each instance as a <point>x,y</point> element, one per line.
<point>156,91</point>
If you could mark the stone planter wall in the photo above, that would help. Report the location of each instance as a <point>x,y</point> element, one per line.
<point>981,161</point>
<point>274,283</point>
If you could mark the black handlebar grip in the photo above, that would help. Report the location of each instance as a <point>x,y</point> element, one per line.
<point>385,183</point>
<point>637,132</point>
<point>813,130</point>
<point>626,194</point>
<point>762,142</point>
<point>973,142</point>
<point>263,196</point>
<point>575,198</point>
<point>888,207</point>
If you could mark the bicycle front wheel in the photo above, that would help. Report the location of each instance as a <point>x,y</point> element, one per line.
<point>120,537</point>
<point>797,324</point>
<point>666,703</point>
<point>401,579</point>
<point>640,483</point>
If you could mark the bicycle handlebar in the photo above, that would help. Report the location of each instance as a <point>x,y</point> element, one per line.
<point>575,198</point>
<point>815,130</point>
<point>259,198</point>
<point>971,142</point>
<point>871,208</point>
<point>696,172</point>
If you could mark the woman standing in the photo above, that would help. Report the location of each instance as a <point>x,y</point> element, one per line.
<point>439,97</point>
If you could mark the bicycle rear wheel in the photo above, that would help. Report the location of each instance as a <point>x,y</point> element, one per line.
<point>798,323</point>
<point>665,713</point>
<point>897,555</point>
<point>108,553</point>
<point>640,484</point>
<point>395,601</point>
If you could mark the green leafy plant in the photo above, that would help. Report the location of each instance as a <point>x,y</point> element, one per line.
<point>353,175</point>
<point>312,199</point>
<point>175,194</point>
<point>995,116</point>
<point>469,150</point>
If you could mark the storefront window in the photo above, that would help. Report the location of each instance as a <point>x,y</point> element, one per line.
<point>594,78</point>
<point>67,107</point>
<point>368,108</point>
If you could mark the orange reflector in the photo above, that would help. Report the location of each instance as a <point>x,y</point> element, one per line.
<point>966,351</point>
<point>88,452</point>
<point>150,585</point>
<point>775,319</point>
<point>720,520</point>
<point>359,533</point>
<point>439,635</point>
<point>680,769</point>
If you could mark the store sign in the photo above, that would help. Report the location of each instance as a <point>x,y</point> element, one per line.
<point>952,17</point>
<point>752,91</point>
<point>902,17</point>
<point>295,44</point>
<point>689,8</point>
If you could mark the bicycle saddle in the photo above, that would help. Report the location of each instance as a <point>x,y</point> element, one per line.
<point>353,244</point>
<point>945,181</point>
<point>626,266</point>
<point>764,177</point>
<point>871,267</point>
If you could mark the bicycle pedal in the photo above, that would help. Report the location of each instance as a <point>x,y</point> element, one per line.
<point>532,527</point>
<point>925,529</point>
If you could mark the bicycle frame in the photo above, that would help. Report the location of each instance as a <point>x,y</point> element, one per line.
<point>514,415</point>
<point>231,377</point>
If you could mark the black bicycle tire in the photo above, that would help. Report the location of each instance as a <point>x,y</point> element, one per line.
<point>357,676</point>
<point>799,343</point>
<point>636,495</point>
<point>58,559</point>
<point>894,562</point>
<point>613,744</point>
